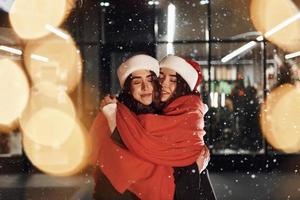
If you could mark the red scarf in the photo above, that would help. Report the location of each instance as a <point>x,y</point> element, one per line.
<point>156,143</point>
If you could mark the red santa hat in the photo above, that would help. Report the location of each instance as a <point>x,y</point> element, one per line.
<point>189,70</point>
<point>135,63</point>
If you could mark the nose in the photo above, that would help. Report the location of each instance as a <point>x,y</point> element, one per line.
<point>145,85</point>
<point>164,83</point>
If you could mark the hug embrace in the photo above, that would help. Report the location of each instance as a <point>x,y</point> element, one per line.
<point>148,142</point>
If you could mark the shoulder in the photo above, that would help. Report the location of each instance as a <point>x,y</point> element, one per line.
<point>193,101</point>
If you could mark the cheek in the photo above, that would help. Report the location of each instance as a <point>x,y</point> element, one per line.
<point>135,92</point>
<point>151,88</point>
<point>173,87</point>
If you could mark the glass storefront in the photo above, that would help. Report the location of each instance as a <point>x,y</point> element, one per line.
<point>106,32</point>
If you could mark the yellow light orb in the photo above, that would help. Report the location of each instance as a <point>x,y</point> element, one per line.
<point>63,160</point>
<point>280,120</point>
<point>71,4</point>
<point>29,18</point>
<point>54,59</point>
<point>14,94</point>
<point>266,14</point>
<point>49,116</point>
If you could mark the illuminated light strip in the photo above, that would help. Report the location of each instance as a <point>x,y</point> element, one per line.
<point>292,55</point>
<point>238,51</point>
<point>203,2</point>
<point>260,38</point>
<point>170,48</point>
<point>39,58</point>
<point>279,26</point>
<point>282,25</point>
<point>56,31</point>
<point>106,4</point>
<point>216,100</point>
<point>171,22</point>
<point>150,3</point>
<point>223,99</point>
<point>11,50</point>
<point>171,28</point>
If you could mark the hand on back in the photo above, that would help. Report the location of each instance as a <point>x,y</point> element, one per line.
<point>203,159</point>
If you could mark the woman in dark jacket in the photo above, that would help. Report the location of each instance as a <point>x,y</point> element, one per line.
<point>179,77</point>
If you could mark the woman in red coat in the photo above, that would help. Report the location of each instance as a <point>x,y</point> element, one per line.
<point>138,78</point>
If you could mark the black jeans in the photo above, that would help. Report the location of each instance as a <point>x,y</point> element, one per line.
<point>104,190</point>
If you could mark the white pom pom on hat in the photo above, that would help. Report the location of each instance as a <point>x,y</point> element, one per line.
<point>135,63</point>
<point>187,70</point>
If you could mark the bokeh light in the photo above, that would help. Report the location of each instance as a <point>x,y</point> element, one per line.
<point>86,99</point>
<point>266,14</point>
<point>30,17</point>
<point>54,59</point>
<point>63,160</point>
<point>280,120</point>
<point>49,116</point>
<point>14,94</point>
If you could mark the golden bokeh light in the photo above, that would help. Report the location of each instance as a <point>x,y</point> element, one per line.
<point>266,14</point>
<point>280,120</point>
<point>71,4</point>
<point>49,116</point>
<point>63,160</point>
<point>54,59</point>
<point>14,94</point>
<point>86,99</point>
<point>29,18</point>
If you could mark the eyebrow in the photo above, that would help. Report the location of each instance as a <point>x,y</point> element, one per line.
<point>135,77</point>
<point>173,75</point>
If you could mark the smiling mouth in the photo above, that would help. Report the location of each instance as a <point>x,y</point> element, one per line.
<point>146,95</point>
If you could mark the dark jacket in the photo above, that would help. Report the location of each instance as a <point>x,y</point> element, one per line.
<point>190,185</point>
<point>104,190</point>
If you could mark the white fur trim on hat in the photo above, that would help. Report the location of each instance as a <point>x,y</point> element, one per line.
<point>109,112</point>
<point>183,68</point>
<point>135,63</point>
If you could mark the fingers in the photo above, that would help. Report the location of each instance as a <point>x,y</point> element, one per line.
<point>203,159</point>
<point>205,151</point>
<point>202,163</point>
<point>107,100</point>
<point>110,98</point>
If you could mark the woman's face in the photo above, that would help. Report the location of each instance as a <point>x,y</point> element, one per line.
<point>141,87</point>
<point>168,81</point>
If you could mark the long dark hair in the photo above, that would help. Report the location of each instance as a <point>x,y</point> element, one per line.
<point>135,106</point>
<point>182,89</point>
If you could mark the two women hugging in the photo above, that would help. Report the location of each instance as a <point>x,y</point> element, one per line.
<point>148,143</point>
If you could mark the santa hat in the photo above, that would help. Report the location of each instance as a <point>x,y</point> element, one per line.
<point>135,63</point>
<point>189,70</point>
